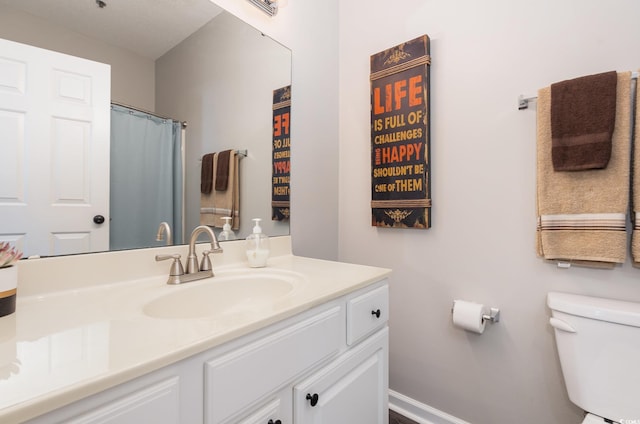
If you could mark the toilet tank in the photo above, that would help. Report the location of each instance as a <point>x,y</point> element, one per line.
<point>598,343</point>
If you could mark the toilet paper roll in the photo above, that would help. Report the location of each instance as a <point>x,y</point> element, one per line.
<point>468,316</point>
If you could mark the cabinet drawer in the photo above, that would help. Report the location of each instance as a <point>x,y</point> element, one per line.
<point>366,313</point>
<point>233,382</point>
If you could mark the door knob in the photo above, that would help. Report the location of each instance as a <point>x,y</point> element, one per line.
<point>312,398</point>
<point>98,219</point>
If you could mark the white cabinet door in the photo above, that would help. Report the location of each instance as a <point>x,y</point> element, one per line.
<point>271,413</point>
<point>54,139</point>
<point>157,403</point>
<point>351,390</point>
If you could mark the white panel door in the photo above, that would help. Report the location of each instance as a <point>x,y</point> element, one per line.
<point>54,139</point>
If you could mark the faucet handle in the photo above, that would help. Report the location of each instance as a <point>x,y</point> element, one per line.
<point>176,266</point>
<point>205,264</point>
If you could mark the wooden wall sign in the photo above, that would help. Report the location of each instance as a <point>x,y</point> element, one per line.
<point>281,154</point>
<point>400,148</point>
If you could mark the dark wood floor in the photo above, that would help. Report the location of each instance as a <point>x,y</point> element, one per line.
<point>395,418</point>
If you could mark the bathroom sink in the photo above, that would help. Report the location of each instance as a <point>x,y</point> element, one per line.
<point>225,295</point>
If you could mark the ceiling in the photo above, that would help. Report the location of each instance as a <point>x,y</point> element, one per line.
<point>149,28</point>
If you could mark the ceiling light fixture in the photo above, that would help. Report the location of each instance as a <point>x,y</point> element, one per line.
<point>270,7</point>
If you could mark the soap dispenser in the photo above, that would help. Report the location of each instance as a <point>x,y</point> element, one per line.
<point>257,246</point>
<point>227,233</point>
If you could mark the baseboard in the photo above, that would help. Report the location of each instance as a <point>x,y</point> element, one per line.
<point>419,412</point>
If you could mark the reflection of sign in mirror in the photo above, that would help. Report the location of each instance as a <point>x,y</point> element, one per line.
<point>281,153</point>
<point>400,148</point>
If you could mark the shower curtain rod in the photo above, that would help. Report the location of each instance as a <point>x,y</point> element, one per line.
<point>184,123</point>
<point>243,153</point>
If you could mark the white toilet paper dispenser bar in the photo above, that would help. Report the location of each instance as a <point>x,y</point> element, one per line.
<point>493,317</point>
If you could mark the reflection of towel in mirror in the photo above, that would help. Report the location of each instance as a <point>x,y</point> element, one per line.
<point>582,215</point>
<point>220,203</point>
<point>206,173</point>
<point>222,170</point>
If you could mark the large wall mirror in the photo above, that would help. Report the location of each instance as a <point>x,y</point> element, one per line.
<point>188,60</point>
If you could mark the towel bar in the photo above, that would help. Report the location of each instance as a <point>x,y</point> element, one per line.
<point>242,153</point>
<point>523,102</point>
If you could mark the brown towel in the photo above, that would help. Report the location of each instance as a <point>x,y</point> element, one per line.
<point>206,174</point>
<point>222,170</point>
<point>582,215</point>
<point>583,112</point>
<point>218,204</point>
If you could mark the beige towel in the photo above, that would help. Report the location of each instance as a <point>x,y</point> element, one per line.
<point>217,204</point>
<point>582,215</point>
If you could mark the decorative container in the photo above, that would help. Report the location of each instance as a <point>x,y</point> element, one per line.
<point>8,289</point>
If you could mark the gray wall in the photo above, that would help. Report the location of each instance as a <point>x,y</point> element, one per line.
<point>221,80</point>
<point>312,34</point>
<point>482,244</point>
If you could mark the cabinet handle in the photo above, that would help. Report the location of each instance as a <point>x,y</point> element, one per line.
<point>312,398</point>
<point>274,422</point>
<point>376,313</point>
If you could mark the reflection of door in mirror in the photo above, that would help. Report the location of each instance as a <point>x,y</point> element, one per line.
<point>54,166</point>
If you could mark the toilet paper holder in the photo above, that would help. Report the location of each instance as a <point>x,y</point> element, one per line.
<point>493,316</point>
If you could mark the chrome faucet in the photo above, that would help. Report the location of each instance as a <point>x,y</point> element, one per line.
<point>164,228</point>
<point>194,271</point>
<point>192,259</point>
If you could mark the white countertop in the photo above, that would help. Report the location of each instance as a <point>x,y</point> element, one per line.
<point>68,340</point>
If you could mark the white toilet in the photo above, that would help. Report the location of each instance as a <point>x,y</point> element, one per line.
<point>598,344</point>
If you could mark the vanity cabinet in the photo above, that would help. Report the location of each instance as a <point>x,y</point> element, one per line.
<point>330,368</point>
<point>328,365</point>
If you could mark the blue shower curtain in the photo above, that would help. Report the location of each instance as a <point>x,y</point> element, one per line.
<point>146,178</point>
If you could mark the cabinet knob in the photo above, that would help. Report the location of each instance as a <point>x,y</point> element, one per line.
<point>274,422</point>
<point>376,313</point>
<point>312,398</point>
